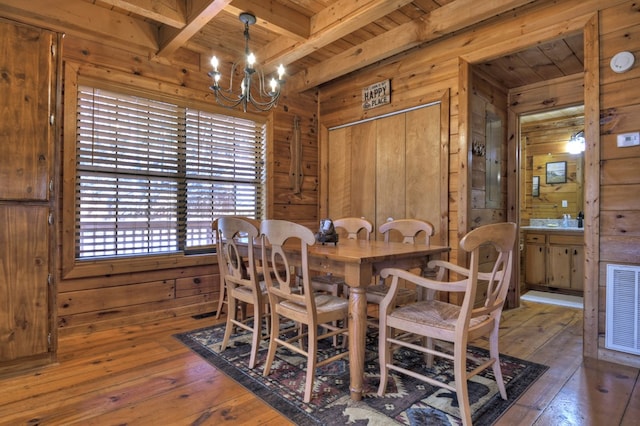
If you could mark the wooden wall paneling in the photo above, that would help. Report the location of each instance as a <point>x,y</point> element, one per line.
<point>115,297</point>
<point>286,204</point>
<point>88,322</point>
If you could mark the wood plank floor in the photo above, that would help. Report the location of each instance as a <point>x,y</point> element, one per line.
<point>141,375</point>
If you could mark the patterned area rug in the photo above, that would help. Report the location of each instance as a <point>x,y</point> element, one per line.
<point>407,402</point>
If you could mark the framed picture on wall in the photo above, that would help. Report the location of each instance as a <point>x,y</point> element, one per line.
<point>535,187</point>
<point>557,172</point>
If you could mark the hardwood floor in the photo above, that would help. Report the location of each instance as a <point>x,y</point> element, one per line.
<point>141,375</point>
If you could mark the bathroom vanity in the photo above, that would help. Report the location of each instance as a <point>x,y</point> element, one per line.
<point>554,258</point>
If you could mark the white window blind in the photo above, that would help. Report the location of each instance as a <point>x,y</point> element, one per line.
<point>152,175</point>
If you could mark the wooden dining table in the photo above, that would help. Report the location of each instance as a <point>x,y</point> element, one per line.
<point>358,261</point>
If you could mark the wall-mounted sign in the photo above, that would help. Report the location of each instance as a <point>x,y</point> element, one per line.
<point>375,95</point>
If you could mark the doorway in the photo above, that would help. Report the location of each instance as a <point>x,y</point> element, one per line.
<point>551,183</point>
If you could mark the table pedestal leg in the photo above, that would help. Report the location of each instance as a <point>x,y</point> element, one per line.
<point>357,339</point>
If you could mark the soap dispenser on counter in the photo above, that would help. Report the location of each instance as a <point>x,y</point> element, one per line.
<point>580,220</point>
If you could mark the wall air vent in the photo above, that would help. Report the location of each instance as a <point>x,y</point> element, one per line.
<point>623,309</point>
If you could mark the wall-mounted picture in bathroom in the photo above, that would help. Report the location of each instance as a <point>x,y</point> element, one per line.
<point>535,186</point>
<point>557,172</point>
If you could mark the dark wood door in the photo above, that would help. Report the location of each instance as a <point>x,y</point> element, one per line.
<point>25,90</point>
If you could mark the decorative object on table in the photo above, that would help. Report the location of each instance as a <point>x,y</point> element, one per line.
<point>556,172</point>
<point>327,232</point>
<point>253,93</point>
<point>408,400</point>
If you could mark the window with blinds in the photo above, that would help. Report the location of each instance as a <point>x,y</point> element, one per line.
<point>151,176</point>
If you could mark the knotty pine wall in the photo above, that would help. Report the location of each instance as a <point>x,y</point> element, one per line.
<point>612,232</point>
<point>97,295</point>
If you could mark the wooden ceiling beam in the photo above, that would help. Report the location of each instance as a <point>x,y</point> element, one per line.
<point>274,17</point>
<point>168,12</point>
<point>329,25</point>
<point>438,23</point>
<point>82,18</point>
<point>202,11</point>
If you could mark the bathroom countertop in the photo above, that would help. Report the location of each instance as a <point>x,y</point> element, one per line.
<point>552,229</point>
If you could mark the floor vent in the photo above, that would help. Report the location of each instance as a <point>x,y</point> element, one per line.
<point>623,308</point>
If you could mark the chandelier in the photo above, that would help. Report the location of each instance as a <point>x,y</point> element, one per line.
<point>253,92</point>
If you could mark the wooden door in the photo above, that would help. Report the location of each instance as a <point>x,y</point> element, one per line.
<point>24,307</point>
<point>391,167</point>
<point>26,59</point>
<point>351,171</point>
<point>27,90</point>
<point>391,170</point>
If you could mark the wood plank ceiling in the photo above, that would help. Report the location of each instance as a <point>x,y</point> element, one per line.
<point>317,40</point>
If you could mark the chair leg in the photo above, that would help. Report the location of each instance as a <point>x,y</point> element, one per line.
<point>231,315</point>
<point>275,328</point>
<point>428,357</point>
<point>462,391</point>
<point>221,300</point>
<point>495,355</point>
<point>257,333</point>
<point>312,354</point>
<point>383,357</point>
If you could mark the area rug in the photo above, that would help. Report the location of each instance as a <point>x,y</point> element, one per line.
<point>407,402</point>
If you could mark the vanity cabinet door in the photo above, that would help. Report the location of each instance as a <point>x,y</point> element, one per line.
<point>559,267</point>
<point>577,268</point>
<point>535,256</point>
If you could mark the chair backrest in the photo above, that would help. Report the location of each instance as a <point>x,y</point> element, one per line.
<point>353,226</point>
<point>408,229</point>
<point>230,229</point>
<point>278,273</point>
<point>502,237</point>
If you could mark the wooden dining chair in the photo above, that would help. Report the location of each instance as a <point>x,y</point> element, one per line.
<point>354,228</point>
<point>302,308</point>
<point>241,282</point>
<point>410,231</point>
<point>222,299</point>
<point>432,319</point>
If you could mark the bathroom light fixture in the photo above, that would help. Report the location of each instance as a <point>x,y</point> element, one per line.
<point>576,144</point>
<point>253,92</point>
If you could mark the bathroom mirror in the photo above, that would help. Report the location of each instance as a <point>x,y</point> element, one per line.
<point>551,178</point>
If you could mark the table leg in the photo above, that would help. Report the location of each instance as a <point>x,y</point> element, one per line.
<point>357,339</point>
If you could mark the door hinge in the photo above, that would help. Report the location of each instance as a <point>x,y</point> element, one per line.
<point>53,49</point>
<point>50,218</point>
<point>49,340</point>
<point>49,279</point>
<point>52,119</point>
